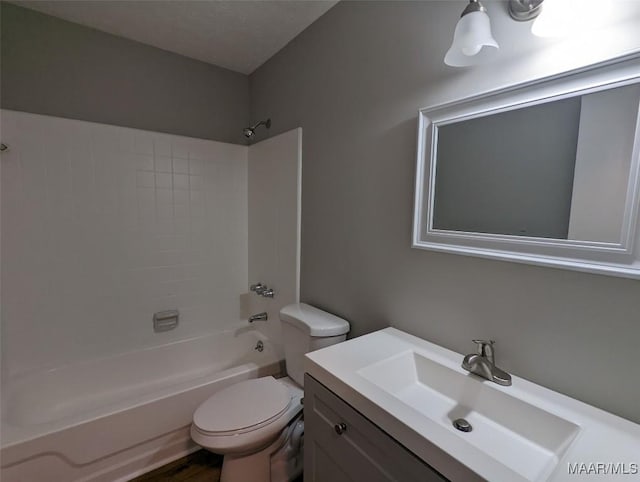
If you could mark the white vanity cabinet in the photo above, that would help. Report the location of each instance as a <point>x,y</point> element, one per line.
<point>341,445</point>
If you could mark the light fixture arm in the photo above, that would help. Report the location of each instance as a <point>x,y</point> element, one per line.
<point>524,10</point>
<point>474,6</point>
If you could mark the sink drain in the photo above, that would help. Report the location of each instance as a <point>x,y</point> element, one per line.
<point>462,425</point>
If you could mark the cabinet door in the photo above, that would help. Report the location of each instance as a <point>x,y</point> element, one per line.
<point>341,445</point>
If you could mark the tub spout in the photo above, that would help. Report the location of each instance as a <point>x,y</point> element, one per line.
<point>259,317</point>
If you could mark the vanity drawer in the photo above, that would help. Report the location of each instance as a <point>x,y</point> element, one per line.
<point>342,445</point>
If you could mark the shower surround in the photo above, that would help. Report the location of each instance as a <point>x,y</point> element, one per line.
<point>103,226</point>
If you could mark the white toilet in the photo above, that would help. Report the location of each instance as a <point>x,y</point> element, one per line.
<point>257,424</point>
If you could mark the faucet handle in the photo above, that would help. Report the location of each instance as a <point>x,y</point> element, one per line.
<point>258,288</point>
<point>485,348</point>
<point>484,342</point>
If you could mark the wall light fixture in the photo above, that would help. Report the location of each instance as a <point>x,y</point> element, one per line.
<point>568,18</point>
<point>472,34</point>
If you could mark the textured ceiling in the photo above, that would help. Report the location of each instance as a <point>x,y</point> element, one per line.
<point>239,35</point>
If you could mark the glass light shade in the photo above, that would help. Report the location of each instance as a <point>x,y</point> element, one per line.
<point>557,19</point>
<point>567,18</point>
<point>473,32</point>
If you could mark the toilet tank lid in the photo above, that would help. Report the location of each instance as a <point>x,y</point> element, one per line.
<point>313,321</point>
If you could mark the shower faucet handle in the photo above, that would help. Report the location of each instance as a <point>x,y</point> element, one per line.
<point>257,288</point>
<point>262,290</point>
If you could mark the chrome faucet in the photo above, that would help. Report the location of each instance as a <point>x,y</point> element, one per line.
<point>483,363</point>
<point>257,288</point>
<point>259,317</point>
<point>262,290</point>
<point>267,292</point>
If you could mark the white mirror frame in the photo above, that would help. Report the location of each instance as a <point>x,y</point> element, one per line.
<point>615,259</point>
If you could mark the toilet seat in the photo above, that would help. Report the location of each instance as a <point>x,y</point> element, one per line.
<point>244,416</point>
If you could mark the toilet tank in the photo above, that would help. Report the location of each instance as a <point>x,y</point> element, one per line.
<point>304,329</point>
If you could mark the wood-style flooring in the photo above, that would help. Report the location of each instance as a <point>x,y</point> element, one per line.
<point>200,466</point>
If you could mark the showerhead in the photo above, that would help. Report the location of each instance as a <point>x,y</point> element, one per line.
<point>250,131</point>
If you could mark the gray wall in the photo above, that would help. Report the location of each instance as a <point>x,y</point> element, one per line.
<point>509,173</point>
<point>354,81</point>
<point>51,66</point>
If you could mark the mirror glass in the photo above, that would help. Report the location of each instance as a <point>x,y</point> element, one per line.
<point>554,170</point>
<point>547,172</point>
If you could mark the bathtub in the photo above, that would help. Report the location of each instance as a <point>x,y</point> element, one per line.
<point>118,417</point>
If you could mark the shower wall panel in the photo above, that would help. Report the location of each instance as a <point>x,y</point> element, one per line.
<point>102,226</point>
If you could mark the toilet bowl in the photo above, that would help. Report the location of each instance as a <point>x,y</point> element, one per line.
<point>256,424</point>
<point>247,416</point>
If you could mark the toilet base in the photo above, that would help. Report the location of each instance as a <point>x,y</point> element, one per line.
<point>280,461</point>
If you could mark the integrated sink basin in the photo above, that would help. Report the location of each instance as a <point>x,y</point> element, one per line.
<point>414,390</point>
<point>524,438</point>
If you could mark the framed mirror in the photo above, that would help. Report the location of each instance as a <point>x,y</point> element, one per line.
<point>544,173</point>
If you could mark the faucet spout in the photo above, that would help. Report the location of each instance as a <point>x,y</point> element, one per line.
<point>259,317</point>
<point>477,364</point>
<point>483,364</point>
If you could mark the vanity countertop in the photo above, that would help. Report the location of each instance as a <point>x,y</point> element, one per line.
<point>413,389</point>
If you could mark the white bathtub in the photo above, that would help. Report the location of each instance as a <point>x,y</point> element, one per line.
<point>114,418</point>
